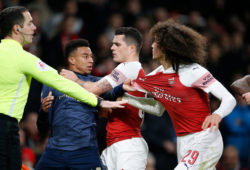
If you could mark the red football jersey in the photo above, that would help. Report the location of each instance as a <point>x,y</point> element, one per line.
<point>125,123</point>
<point>187,106</point>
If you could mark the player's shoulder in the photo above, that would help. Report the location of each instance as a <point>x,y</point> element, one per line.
<point>192,69</point>
<point>190,73</point>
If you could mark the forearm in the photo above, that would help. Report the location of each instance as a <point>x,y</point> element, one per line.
<point>148,105</point>
<point>97,88</point>
<point>114,93</point>
<point>70,88</point>
<point>228,102</point>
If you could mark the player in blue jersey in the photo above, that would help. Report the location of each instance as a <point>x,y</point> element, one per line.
<point>72,143</point>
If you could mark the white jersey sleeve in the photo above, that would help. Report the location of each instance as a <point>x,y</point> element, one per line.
<point>148,105</point>
<point>196,76</point>
<point>122,72</point>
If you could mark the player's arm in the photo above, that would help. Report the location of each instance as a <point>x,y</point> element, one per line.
<point>97,87</point>
<point>31,65</point>
<point>197,76</point>
<point>242,85</point>
<point>201,78</point>
<point>228,102</point>
<point>148,105</point>
<point>113,94</point>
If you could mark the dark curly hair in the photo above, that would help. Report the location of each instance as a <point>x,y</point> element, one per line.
<point>181,44</point>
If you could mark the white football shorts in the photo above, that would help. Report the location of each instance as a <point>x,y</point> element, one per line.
<point>129,154</point>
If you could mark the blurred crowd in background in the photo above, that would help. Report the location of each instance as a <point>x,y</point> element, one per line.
<point>225,24</point>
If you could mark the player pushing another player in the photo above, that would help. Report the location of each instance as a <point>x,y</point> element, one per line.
<point>181,85</point>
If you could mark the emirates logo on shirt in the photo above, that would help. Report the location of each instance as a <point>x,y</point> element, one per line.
<point>160,93</point>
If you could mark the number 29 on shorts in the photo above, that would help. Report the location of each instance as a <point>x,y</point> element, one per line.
<point>190,157</point>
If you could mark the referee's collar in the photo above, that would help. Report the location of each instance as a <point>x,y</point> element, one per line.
<point>12,42</point>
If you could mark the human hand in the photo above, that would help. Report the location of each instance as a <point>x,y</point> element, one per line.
<point>69,75</point>
<point>109,104</point>
<point>47,101</point>
<point>246,97</point>
<point>128,85</point>
<point>212,120</point>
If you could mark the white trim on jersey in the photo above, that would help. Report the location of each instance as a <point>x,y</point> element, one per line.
<point>149,105</point>
<point>122,72</point>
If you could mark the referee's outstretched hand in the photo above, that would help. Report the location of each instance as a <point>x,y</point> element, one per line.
<point>110,104</point>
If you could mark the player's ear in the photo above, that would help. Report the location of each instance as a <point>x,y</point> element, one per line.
<point>71,60</point>
<point>133,47</point>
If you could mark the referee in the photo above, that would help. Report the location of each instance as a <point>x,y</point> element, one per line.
<point>17,67</point>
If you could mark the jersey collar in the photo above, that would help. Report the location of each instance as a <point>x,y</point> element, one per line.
<point>11,42</point>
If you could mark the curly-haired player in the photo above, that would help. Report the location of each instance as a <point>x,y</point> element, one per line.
<point>181,84</point>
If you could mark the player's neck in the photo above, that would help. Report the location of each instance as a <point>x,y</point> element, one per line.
<point>133,58</point>
<point>166,64</point>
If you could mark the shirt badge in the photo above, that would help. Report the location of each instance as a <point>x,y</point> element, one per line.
<point>42,66</point>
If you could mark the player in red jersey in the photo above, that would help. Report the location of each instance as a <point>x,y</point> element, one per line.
<point>182,85</point>
<point>126,148</point>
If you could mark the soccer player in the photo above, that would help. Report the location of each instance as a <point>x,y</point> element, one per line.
<point>126,148</point>
<point>17,68</point>
<point>181,84</point>
<point>72,142</point>
<point>242,87</point>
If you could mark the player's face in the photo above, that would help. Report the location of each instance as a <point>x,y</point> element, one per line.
<point>28,29</point>
<point>120,49</point>
<point>156,51</point>
<point>82,60</point>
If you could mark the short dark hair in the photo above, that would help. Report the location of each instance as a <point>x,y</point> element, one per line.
<point>73,45</point>
<point>9,17</point>
<point>132,35</point>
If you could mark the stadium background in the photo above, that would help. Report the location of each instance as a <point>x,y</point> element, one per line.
<point>225,23</point>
